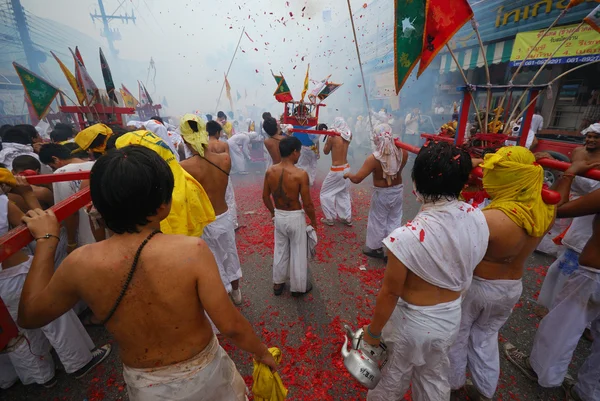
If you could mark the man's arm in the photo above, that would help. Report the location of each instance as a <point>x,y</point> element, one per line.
<point>367,168</point>
<point>46,294</point>
<point>26,191</point>
<point>583,206</point>
<point>391,290</point>
<point>307,203</point>
<point>267,196</point>
<point>563,185</point>
<point>328,145</point>
<point>220,309</point>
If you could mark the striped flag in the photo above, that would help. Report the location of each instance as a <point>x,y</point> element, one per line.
<point>593,19</point>
<point>71,79</point>
<point>312,96</point>
<point>86,83</point>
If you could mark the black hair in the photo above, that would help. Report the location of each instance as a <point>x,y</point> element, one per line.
<point>221,115</point>
<point>322,127</point>
<point>98,141</point>
<point>50,150</point>
<point>441,171</point>
<point>62,132</point>
<point>15,135</point>
<point>209,117</point>
<point>488,151</point>
<point>159,119</point>
<point>538,110</point>
<point>118,132</point>
<point>28,130</point>
<point>76,151</point>
<point>3,129</point>
<point>288,145</point>
<point>213,128</point>
<point>265,115</point>
<point>26,162</point>
<point>128,185</point>
<point>193,125</point>
<point>270,126</point>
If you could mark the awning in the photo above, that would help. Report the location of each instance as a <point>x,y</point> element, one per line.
<point>496,53</point>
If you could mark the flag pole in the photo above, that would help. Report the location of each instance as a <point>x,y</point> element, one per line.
<point>229,68</point>
<point>487,73</point>
<point>466,83</point>
<point>362,74</point>
<point>541,69</point>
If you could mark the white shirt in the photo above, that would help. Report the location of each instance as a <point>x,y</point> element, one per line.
<point>537,123</point>
<point>411,127</point>
<point>439,110</point>
<point>62,190</point>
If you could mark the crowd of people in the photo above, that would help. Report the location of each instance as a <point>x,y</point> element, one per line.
<point>158,244</point>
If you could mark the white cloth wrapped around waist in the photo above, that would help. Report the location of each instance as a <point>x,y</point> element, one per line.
<point>443,244</point>
<point>210,375</point>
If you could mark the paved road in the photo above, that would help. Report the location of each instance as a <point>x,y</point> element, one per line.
<point>309,330</point>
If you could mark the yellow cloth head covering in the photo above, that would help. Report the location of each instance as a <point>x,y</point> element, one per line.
<point>514,184</point>
<point>228,128</point>
<point>267,385</point>
<point>191,209</point>
<point>7,177</point>
<point>85,138</point>
<point>197,140</point>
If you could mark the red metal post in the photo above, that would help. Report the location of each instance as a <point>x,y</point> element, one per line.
<point>20,236</point>
<point>463,118</point>
<point>528,116</point>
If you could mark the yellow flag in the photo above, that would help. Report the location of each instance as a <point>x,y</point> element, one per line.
<point>305,84</point>
<point>72,81</point>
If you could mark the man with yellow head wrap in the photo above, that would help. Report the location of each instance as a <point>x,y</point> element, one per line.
<point>212,170</point>
<point>94,138</point>
<point>191,209</point>
<point>518,219</point>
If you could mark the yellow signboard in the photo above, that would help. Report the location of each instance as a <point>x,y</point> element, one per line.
<point>581,47</point>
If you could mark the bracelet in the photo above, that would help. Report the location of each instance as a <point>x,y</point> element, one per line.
<point>373,336</point>
<point>47,236</point>
<point>72,244</point>
<point>569,175</point>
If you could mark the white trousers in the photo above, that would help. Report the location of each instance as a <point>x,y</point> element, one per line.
<point>335,195</point>
<point>290,259</point>
<point>486,306</point>
<point>238,150</point>
<point>576,305</point>
<point>385,214</point>
<point>66,335</point>
<point>418,340</point>
<point>308,163</point>
<point>220,238</point>
<point>231,204</point>
<point>210,375</point>
<point>557,275</point>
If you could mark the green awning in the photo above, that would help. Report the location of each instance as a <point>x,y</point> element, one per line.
<point>495,53</point>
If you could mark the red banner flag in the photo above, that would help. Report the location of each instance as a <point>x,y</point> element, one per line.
<point>443,18</point>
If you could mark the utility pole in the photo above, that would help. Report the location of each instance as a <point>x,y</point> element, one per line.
<point>32,55</point>
<point>111,35</point>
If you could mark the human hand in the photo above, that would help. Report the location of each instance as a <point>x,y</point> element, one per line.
<point>374,342</point>
<point>37,146</point>
<point>267,359</point>
<point>40,223</point>
<point>581,166</point>
<point>542,155</point>
<point>476,162</point>
<point>346,175</point>
<point>22,186</point>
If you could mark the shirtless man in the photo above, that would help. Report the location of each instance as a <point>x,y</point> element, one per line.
<point>430,264</point>
<point>216,146</point>
<point>335,191</point>
<point>386,164</point>
<point>573,309</point>
<point>212,170</point>
<point>272,128</point>
<point>517,225</point>
<point>288,184</point>
<point>167,346</point>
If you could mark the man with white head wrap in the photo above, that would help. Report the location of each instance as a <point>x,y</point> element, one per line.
<point>430,264</point>
<point>211,170</point>
<point>335,192</point>
<point>386,165</point>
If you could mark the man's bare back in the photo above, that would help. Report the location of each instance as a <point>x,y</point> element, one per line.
<point>284,183</point>
<point>339,150</point>
<point>272,145</point>
<point>508,249</point>
<point>212,172</point>
<point>373,166</point>
<point>216,146</point>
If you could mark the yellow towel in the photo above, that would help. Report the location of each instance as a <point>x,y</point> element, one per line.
<point>85,138</point>
<point>267,385</point>
<point>228,128</point>
<point>7,177</point>
<point>191,209</point>
<point>198,140</point>
<point>514,183</point>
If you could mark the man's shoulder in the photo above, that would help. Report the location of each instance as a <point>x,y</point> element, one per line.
<point>73,167</point>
